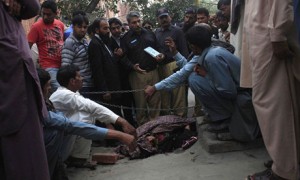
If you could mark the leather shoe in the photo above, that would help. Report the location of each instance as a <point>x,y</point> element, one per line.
<point>217,127</point>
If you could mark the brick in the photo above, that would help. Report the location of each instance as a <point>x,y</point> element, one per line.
<point>105,158</point>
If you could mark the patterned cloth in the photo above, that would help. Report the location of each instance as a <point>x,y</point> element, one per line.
<point>164,134</point>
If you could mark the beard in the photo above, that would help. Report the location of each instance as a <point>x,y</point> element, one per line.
<point>165,24</point>
<point>137,30</point>
<point>105,38</point>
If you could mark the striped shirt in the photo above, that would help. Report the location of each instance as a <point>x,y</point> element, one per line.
<point>75,52</point>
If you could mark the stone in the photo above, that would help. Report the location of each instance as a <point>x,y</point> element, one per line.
<point>211,144</point>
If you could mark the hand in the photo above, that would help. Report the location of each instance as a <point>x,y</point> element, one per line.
<point>125,138</point>
<point>281,50</point>
<point>107,96</point>
<point>14,7</point>
<point>118,52</point>
<point>137,68</point>
<point>149,91</point>
<point>129,140</point>
<point>227,36</point>
<point>171,44</point>
<point>160,57</point>
<point>200,70</point>
<point>127,128</point>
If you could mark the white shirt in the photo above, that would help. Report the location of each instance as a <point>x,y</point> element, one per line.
<point>77,108</point>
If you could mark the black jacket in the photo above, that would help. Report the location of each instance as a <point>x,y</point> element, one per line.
<point>104,66</point>
<point>133,46</point>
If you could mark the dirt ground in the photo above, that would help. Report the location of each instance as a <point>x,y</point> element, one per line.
<point>191,164</point>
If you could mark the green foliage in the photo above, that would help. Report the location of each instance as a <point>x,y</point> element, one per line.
<point>175,7</point>
<point>112,5</point>
<point>210,5</point>
<point>68,6</point>
<point>148,10</point>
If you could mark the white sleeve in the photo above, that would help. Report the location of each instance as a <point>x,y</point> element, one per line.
<point>76,102</point>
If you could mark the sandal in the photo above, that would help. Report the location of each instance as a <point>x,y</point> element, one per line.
<point>188,143</point>
<point>267,174</point>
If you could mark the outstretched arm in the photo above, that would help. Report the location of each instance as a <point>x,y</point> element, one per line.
<point>59,122</point>
<point>175,79</point>
<point>179,77</point>
<point>127,128</point>
<point>64,100</point>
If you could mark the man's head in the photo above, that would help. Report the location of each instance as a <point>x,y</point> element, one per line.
<point>199,38</point>
<point>44,77</point>
<point>222,21</point>
<point>213,20</point>
<point>202,15</point>
<point>224,6</point>
<point>190,17</point>
<point>134,21</point>
<point>163,17</point>
<point>147,25</point>
<point>69,77</point>
<point>125,27</point>
<point>80,24</point>
<point>115,26</point>
<point>101,28</point>
<point>49,11</point>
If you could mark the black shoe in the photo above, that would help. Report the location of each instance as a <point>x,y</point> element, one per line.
<point>217,127</point>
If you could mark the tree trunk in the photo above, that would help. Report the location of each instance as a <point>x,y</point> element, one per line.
<point>90,8</point>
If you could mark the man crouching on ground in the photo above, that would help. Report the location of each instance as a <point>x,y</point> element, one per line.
<point>68,100</point>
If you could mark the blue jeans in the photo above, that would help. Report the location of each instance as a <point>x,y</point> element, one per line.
<point>217,107</point>
<point>59,136</point>
<point>53,81</point>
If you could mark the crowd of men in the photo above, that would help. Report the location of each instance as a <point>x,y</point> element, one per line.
<point>242,64</point>
<point>107,61</point>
